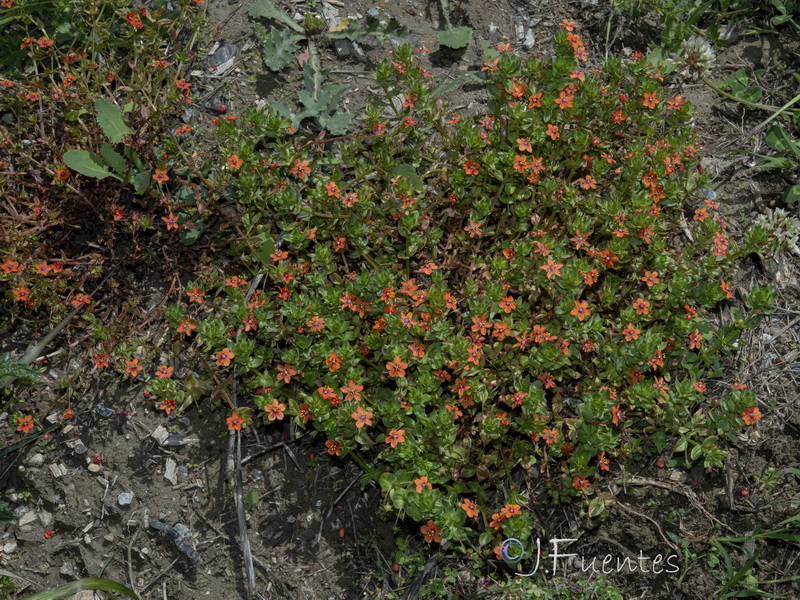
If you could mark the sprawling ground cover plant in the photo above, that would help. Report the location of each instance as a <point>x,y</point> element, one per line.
<point>471,307</point>
<point>85,87</point>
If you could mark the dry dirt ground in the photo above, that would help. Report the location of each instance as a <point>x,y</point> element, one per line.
<point>160,515</point>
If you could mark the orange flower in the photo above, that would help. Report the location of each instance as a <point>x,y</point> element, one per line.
<point>548,380</point>
<point>568,24</point>
<point>510,510</point>
<point>427,268</point>
<point>469,507</point>
<point>333,189</point>
<point>279,255</point>
<point>80,300</point>
<point>497,521</point>
<point>316,323</point>
<point>473,229</point>
<point>590,277</point>
<point>334,447</point>
<point>727,288</point>
<point>334,362</point>
<point>650,100</point>
<point>396,436</point>
<point>616,414</point>
<point>422,483</point>
<point>661,386</point>
<point>550,436</point>
<point>224,357</point>
<point>132,367</point>
<point>699,386</point>
<point>275,410</point>
<point>235,422</point>
<point>171,221</point>
<point>11,266</point>
<point>285,373</point>
<point>471,167</point>
<point>25,423</point>
<point>362,417</point>
<point>101,361</point>
<point>160,176</point>
<point>631,333</point>
<point>250,322</point>
<point>235,162</point>
<point>602,462</point>
<point>69,414</point>
<point>694,340</point>
<point>167,405</point>
<point>301,169</point>
<point>552,131</point>
<point>581,310</point>
<point>751,415</point>
<point>186,326</point>
<point>651,278</point>
<point>396,367</point>
<point>431,532</point>
<point>507,304</point>
<point>524,145</point>
<point>564,100</point>
<point>62,174</point>
<point>164,372</point>
<point>304,413</point>
<point>552,268</point>
<point>21,293</point>
<point>352,391</point>
<point>641,306</point>
<point>580,483</point>
<point>195,295</point>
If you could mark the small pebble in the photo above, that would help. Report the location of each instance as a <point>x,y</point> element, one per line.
<point>104,411</point>
<point>125,498</point>
<point>37,460</point>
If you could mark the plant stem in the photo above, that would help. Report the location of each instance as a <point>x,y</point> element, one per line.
<point>735,99</point>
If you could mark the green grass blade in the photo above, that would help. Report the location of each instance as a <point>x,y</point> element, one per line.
<point>90,583</point>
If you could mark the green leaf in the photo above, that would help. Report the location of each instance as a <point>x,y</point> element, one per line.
<point>282,109</point>
<point>12,371</point>
<point>142,182</point>
<point>87,164</point>
<point>279,48</point>
<point>265,9</point>
<point>661,57</point>
<point>91,583</point>
<point>266,248</point>
<point>109,116</point>
<point>190,236</point>
<point>74,114</point>
<point>792,194</point>
<point>779,139</point>
<point>336,124</point>
<point>455,38</point>
<point>6,516</point>
<point>372,28</point>
<point>251,500</point>
<point>113,158</point>
<point>411,173</point>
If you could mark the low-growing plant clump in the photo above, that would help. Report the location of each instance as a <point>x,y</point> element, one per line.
<point>483,312</point>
